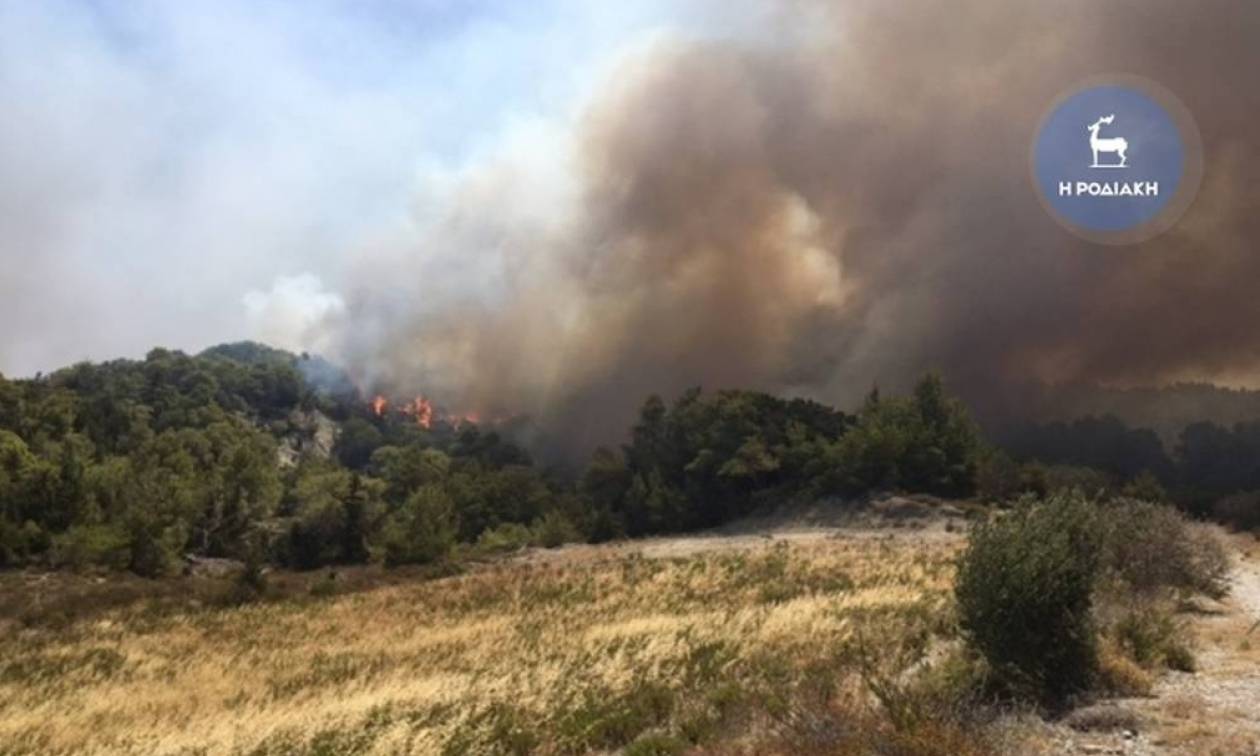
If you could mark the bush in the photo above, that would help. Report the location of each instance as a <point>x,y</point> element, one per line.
<point>154,554</point>
<point>1000,478</point>
<point>1152,547</point>
<point>510,536</point>
<point>1240,511</point>
<point>423,530</point>
<point>87,545</point>
<point>316,535</point>
<point>19,543</point>
<point>1024,591</point>
<point>1118,674</point>
<point>555,529</point>
<point>1062,479</point>
<point>1152,637</point>
<point>658,744</point>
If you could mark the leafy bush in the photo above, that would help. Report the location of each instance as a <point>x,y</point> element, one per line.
<point>1001,479</point>
<point>1061,479</point>
<point>1024,591</point>
<point>423,530</point>
<point>18,543</point>
<point>1118,674</point>
<point>86,545</point>
<point>1152,547</point>
<point>155,552</point>
<point>554,529</point>
<point>1152,637</point>
<point>510,536</point>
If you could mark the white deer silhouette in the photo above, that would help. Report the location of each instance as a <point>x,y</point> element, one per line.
<point>1118,145</point>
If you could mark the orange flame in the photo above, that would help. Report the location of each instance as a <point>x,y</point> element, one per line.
<point>421,409</point>
<point>378,405</point>
<point>424,412</point>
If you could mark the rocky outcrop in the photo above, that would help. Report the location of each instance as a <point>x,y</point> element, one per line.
<point>310,434</point>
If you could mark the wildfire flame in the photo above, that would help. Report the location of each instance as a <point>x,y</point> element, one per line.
<point>421,409</point>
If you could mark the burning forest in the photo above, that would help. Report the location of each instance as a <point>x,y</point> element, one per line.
<point>719,377</point>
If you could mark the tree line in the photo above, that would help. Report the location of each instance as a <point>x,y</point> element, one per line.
<point>134,464</point>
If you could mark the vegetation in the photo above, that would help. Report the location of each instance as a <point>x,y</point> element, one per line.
<point>1025,589</point>
<point>1041,588</point>
<point>1068,585</point>
<point>135,464</point>
<point>132,465</point>
<point>657,655</point>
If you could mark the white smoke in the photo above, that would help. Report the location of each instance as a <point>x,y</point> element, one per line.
<point>295,313</point>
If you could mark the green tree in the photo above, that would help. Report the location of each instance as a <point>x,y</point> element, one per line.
<point>358,440</point>
<point>423,530</point>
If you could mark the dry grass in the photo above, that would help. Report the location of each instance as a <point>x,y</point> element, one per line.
<point>726,649</point>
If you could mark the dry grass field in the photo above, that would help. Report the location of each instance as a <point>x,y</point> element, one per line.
<point>774,645</point>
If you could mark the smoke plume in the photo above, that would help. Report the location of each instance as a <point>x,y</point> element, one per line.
<point>843,201</point>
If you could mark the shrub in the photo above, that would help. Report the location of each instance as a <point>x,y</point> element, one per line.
<point>251,583</point>
<point>1062,479</point>
<point>423,530</point>
<point>555,529</point>
<point>1152,546</point>
<point>1152,637</point>
<point>316,534</point>
<point>509,536</point>
<point>1000,478</point>
<point>1120,675</point>
<point>1024,593</point>
<point>85,545</point>
<point>18,543</point>
<point>1145,487</point>
<point>155,554</point>
<point>1240,511</point>
<point>658,744</point>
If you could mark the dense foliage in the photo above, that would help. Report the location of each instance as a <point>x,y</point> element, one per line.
<point>253,453</point>
<point>1212,470</point>
<point>708,459</point>
<point>1047,588</point>
<point>1024,589</point>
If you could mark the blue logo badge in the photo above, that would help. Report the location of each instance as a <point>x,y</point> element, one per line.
<point>1117,162</point>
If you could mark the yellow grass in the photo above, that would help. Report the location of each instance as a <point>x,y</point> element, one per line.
<point>567,656</point>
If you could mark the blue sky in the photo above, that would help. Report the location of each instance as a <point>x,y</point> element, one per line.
<point>169,170</point>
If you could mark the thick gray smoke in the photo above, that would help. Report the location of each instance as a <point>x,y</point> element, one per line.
<point>813,217</point>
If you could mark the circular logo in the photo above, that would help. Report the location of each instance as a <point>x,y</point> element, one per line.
<point>1117,160</point>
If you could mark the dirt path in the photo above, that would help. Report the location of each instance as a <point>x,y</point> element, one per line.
<point>1215,710</point>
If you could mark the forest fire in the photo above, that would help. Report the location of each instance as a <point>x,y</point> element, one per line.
<point>420,409</point>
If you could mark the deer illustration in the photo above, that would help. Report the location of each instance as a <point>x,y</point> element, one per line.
<point>1118,145</point>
